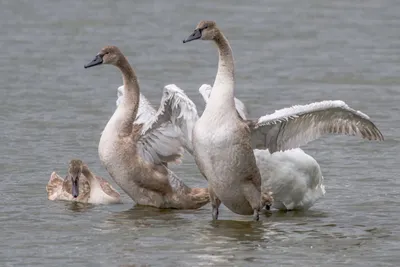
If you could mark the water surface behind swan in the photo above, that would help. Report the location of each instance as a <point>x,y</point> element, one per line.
<point>286,52</point>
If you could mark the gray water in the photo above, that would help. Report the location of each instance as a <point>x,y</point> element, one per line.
<point>286,51</point>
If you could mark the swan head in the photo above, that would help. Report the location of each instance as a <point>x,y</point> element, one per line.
<point>74,172</point>
<point>107,55</point>
<point>205,30</point>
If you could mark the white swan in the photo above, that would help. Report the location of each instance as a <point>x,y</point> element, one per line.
<point>81,185</point>
<point>135,150</point>
<point>293,176</point>
<point>223,143</point>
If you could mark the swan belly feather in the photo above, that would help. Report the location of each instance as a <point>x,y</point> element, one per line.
<point>223,157</point>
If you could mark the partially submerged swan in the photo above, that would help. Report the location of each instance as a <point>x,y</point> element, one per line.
<point>135,152</point>
<point>293,176</point>
<point>81,185</point>
<point>223,143</point>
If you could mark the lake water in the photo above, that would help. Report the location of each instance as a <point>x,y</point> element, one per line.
<point>286,51</point>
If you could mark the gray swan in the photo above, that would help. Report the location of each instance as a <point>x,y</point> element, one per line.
<point>81,185</point>
<point>136,153</point>
<point>294,177</point>
<point>223,142</point>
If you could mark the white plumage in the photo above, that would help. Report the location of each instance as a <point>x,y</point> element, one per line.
<point>293,176</point>
<point>295,126</point>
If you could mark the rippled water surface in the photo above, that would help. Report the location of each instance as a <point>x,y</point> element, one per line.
<point>286,52</point>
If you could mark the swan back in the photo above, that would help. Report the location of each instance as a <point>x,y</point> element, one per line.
<point>294,177</point>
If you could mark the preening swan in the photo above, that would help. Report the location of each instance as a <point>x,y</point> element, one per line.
<point>223,143</point>
<point>81,185</point>
<point>135,151</point>
<point>293,176</point>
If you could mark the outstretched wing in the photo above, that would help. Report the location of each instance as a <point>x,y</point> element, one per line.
<point>163,133</point>
<point>205,91</point>
<point>295,126</point>
<point>54,185</point>
<point>177,108</point>
<point>107,187</point>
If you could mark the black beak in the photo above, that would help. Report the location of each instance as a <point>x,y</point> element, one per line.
<point>75,188</point>
<point>194,36</point>
<point>96,61</point>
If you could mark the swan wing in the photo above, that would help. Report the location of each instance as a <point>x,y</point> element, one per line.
<point>107,187</point>
<point>205,91</point>
<point>295,126</point>
<point>169,130</point>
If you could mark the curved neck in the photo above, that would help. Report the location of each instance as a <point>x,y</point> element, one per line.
<point>88,174</point>
<point>222,94</point>
<point>130,104</point>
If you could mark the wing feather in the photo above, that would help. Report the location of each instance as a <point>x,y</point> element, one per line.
<point>295,126</point>
<point>164,133</point>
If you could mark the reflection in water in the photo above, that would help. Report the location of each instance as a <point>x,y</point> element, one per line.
<point>78,206</point>
<point>146,216</point>
<point>236,230</point>
<point>276,225</point>
<point>296,214</point>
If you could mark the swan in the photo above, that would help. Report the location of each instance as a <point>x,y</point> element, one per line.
<point>81,185</point>
<point>223,143</point>
<point>135,152</point>
<point>293,176</point>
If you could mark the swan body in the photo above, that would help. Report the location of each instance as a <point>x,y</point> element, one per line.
<point>135,148</point>
<point>90,188</point>
<point>228,162</point>
<point>293,176</point>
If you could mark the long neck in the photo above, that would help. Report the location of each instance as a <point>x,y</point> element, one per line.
<point>130,104</point>
<point>88,174</point>
<point>222,95</point>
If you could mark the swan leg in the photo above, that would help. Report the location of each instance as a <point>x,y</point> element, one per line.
<point>215,213</point>
<point>215,203</point>
<point>256,215</point>
<point>254,198</point>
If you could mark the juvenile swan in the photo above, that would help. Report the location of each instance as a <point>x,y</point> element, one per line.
<point>136,153</point>
<point>81,185</point>
<point>293,176</point>
<point>223,143</point>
